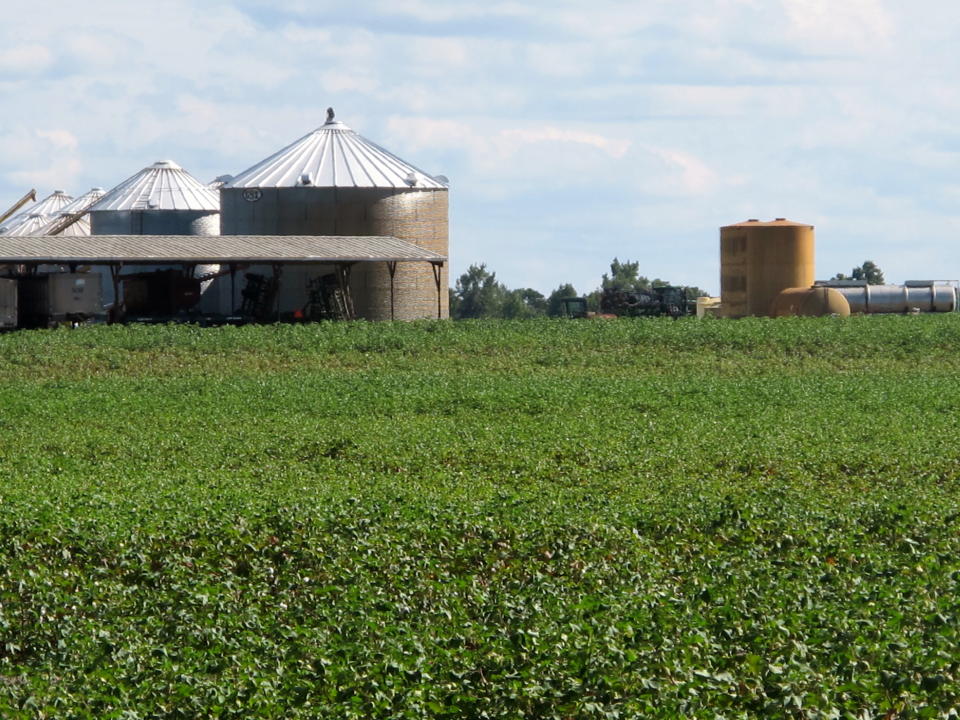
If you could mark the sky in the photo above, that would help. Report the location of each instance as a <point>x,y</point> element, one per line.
<point>572,132</point>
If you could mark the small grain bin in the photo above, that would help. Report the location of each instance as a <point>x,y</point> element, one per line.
<point>758,260</point>
<point>810,302</point>
<point>32,220</point>
<point>161,199</point>
<point>81,227</point>
<point>332,181</point>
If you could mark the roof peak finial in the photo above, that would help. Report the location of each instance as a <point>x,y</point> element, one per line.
<point>330,115</point>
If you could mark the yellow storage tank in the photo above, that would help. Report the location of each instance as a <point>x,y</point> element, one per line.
<point>810,302</point>
<point>758,260</point>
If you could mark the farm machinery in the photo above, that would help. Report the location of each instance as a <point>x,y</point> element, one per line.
<point>653,302</point>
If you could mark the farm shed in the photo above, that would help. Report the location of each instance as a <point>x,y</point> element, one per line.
<point>330,258</point>
<point>333,181</point>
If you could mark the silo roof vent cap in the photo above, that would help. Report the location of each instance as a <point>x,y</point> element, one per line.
<point>168,164</point>
<point>306,179</point>
<point>412,179</point>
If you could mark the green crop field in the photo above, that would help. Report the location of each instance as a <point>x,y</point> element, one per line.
<point>549,519</point>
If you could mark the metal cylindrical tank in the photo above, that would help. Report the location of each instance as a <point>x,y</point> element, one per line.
<point>809,302</point>
<point>910,297</point>
<point>335,182</point>
<point>154,222</point>
<point>161,199</point>
<point>758,260</point>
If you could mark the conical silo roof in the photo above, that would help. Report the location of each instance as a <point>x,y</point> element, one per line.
<point>161,186</point>
<point>48,207</point>
<point>333,155</point>
<point>33,224</point>
<point>81,227</point>
<point>84,201</point>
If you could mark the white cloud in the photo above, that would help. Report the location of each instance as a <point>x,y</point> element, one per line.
<point>59,139</point>
<point>680,173</point>
<point>30,59</point>
<point>511,139</point>
<point>681,115</point>
<point>850,25</point>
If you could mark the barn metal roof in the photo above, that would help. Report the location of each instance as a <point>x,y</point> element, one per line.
<point>333,155</point>
<point>262,249</point>
<point>49,207</point>
<point>161,186</point>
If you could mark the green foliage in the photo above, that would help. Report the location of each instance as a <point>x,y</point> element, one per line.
<point>552,519</point>
<point>624,277</point>
<point>555,300</point>
<point>524,303</point>
<point>868,271</point>
<point>479,294</point>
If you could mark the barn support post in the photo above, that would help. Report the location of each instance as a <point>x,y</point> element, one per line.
<point>115,314</point>
<point>233,288</point>
<point>392,269</point>
<point>437,271</point>
<point>277,270</point>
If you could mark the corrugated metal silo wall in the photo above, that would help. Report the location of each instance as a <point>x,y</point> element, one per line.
<point>150,222</point>
<point>417,216</point>
<point>781,257</point>
<point>758,261</point>
<point>154,222</point>
<point>733,271</point>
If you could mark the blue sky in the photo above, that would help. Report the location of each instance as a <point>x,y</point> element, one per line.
<point>572,132</point>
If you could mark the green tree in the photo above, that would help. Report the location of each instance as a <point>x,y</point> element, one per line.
<point>478,294</point>
<point>454,302</point>
<point>524,303</point>
<point>868,271</point>
<point>624,277</point>
<point>555,300</point>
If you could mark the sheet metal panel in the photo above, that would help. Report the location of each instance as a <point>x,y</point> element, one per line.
<point>155,249</point>
<point>334,155</point>
<point>48,207</point>
<point>161,186</point>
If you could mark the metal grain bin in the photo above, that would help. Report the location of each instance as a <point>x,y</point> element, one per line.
<point>758,260</point>
<point>335,182</point>
<point>79,227</point>
<point>161,199</point>
<point>32,220</point>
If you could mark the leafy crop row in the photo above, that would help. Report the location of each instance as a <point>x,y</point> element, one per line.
<point>544,519</point>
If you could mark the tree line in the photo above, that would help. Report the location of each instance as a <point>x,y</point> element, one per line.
<point>478,294</point>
